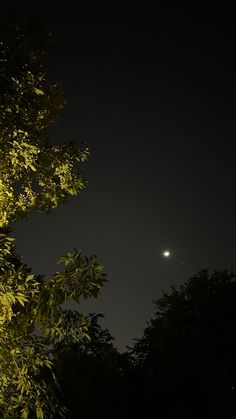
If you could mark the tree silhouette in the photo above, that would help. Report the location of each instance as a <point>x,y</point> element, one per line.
<point>92,375</point>
<point>186,357</point>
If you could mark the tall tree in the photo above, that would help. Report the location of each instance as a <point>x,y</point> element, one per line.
<point>34,175</point>
<point>186,357</point>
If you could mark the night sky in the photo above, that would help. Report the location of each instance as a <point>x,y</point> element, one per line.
<point>154,99</point>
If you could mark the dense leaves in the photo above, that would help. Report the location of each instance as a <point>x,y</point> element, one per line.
<point>93,377</point>
<point>186,356</point>
<point>32,319</point>
<point>35,175</point>
<point>182,367</point>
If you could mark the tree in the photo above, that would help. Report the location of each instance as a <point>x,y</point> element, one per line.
<point>186,356</point>
<point>34,175</point>
<point>92,375</point>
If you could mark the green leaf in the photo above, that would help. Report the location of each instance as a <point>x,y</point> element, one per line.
<point>38,91</point>
<point>25,414</point>
<point>39,412</point>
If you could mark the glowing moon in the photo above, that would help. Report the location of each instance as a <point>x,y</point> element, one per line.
<point>166,253</point>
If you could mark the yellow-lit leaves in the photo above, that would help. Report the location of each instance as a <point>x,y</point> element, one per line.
<point>33,174</point>
<point>38,91</point>
<point>36,177</point>
<point>23,154</point>
<point>28,301</point>
<point>6,301</point>
<point>25,414</point>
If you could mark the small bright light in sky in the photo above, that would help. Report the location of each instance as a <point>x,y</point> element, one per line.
<point>166,253</point>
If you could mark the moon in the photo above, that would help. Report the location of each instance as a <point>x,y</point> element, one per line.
<point>166,253</point>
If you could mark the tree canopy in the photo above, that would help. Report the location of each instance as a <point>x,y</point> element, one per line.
<point>92,375</point>
<point>186,356</point>
<point>34,175</point>
<point>182,367</point>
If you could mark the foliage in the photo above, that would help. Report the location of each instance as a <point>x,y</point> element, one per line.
<point>182,367</point>
<point>34,175</point>
<point>187,352</point>
<point>92,375</point>
<point>29,303</point>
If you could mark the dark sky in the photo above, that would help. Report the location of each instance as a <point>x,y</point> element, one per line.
<point>154,98</point>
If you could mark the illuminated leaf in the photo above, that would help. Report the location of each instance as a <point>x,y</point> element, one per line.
<point>38,91</point>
